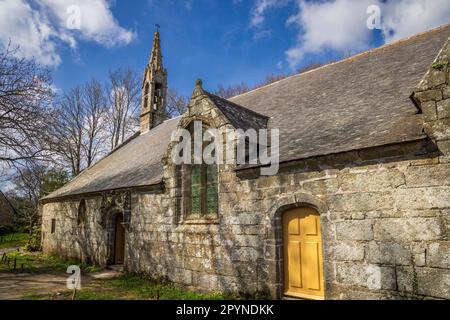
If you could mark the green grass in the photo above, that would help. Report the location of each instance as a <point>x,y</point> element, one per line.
<point>36,262</point>
<point>13,240</point>
<point>133,287</point>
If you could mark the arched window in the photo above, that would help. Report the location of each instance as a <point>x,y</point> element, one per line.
<point>157,95</point>
<point>146,90</point>
<point>201,187</point>
<point>82,218</point>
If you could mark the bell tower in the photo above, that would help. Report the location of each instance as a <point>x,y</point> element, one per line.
<point>154,89</point>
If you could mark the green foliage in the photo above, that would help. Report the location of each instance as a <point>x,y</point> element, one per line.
<point>144,287</point>
<point>440,65</point>
<point>53,180</point>
<point>6,229</point>
<point>37,262</point>
<point>34,241</point>
<point>13,240</point>
<point>134,287</point>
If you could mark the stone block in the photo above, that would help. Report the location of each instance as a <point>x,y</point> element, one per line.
<point>183,276</point>
<point>439,129</point>
<point>429,282</point>
<point>413,229</point>
<point>429,95</point>
<point>345,251</point>
<point>370,181</point>
<point>429,111</point>
<point>444,148</point>
<point>268,182</point>
<point>389,253</point>
<point>354,230</point>
<point>438,255</point>
<point>244,254</point>
<point>243,219</point>
<point>361,201</point>
<point>372,277</point>
<point>418,176</point>
<point>422,198</point>
<point>446,92</point>
<point>443,109</point>
<point>317,187</point>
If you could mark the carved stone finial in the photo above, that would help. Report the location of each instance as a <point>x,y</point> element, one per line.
<point>198,91</point>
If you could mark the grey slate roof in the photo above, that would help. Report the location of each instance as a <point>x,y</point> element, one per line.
<point>357,103</point>
<point>239,116</point>
<point>136,163</point>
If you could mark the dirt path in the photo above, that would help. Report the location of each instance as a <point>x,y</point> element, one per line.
<point>8,250</point>
<point>17,286</point>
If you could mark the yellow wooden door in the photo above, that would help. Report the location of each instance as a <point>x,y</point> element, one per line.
<point>303,264</point>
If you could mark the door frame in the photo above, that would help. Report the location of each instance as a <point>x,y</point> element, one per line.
<point>284,269</point>
<point>115,238</point>
<point>274,241</point>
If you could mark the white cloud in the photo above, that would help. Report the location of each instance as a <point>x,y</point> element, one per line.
<point>341,25</point>
<point>338,25</point>
<point>30,30</point>
<point>259,9</point>
<point>39,27</point>
<point>407,17</point>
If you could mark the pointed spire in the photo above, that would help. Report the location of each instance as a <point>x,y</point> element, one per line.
<point>156,57</point>
<point>154,88</point>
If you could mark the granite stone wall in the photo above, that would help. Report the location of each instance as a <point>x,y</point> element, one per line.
<point>385,228</point>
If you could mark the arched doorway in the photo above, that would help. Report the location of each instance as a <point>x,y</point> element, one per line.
<point>303,259</point>
<point>119,240</point>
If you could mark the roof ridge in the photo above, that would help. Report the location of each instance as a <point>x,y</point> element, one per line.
<point>373,50</point>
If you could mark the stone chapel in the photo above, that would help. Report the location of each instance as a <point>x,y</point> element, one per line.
<point>359,208</point>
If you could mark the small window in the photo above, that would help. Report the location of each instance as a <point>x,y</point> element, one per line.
<point>53,225</point>
<point>81,218</point>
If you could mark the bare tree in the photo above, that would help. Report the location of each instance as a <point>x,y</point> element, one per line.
<point>95,111</point>
<point>124,99</point>
<point>176,103</point>
<point>231,91</point>
<point>70,129</point>
<point>25,99</point>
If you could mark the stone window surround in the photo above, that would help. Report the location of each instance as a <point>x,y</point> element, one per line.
<point>184,185</point>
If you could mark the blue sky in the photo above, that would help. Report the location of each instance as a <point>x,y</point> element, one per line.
<point>223,41</point>
<point>212,40</point>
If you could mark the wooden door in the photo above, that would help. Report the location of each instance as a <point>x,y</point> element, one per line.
<point>119,243</point>
<point>303,265</point>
